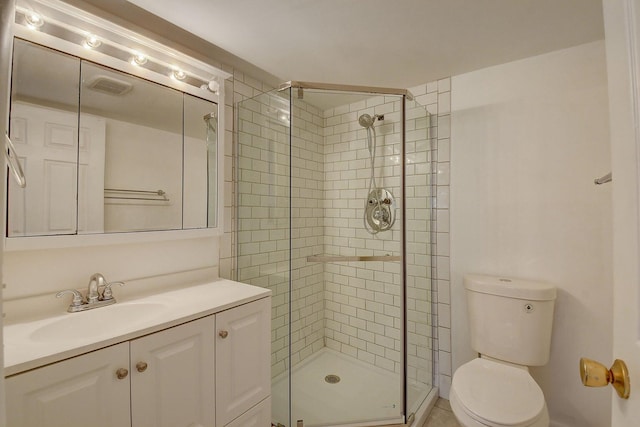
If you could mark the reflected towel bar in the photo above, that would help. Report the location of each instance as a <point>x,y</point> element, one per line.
<point>14,163</point>
<point>330,258</point>
<point>603,180</point>
<point>154,195</point>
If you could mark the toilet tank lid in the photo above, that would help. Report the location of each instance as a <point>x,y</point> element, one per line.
<point>510,287</point>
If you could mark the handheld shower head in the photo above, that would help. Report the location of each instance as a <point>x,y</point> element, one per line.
<point>366,120</point>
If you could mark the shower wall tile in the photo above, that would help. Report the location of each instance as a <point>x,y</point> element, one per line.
<point>444,85</point>
<point>362,300</point>
<point>444,102</point>
<point>442,221</point>
<point>443,238</point>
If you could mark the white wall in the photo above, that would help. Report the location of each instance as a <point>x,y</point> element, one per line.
<point>45,272</point>
<point>142,158</point>
<point>527,140</point>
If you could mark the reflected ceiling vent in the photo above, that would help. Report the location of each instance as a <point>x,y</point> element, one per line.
<point>109,85</point>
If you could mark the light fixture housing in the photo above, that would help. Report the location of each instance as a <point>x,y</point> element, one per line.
<point>103,41</point>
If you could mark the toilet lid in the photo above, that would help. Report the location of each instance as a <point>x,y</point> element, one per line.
<point>497,394</point>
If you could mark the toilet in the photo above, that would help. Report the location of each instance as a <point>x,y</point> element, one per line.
<point>510,322</point>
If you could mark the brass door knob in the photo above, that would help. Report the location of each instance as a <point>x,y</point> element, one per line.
<point>141,366</point>
<point>595,374</point>
<point>122,373</point>
<point>223,334</point>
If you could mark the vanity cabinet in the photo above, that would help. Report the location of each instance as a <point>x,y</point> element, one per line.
<point>213,371</point>
<point>81,391</point>
<point>243,367</point>
<point>172,376</point>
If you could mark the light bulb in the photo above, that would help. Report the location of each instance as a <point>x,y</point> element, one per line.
<point>178,74</point>
<point>34,21</point>
<point>138,59</point>
<point>214,86</point>
<point>92,42</point>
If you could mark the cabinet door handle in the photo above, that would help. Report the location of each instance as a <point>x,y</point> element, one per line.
<point>141,366</point>
<point>122,373</point>
<point>223,334</point>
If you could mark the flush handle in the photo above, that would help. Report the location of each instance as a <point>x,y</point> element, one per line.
<point>595,374</point>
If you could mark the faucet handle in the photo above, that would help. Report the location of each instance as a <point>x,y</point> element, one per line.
<point>77,297</point>
<point>107,294</point>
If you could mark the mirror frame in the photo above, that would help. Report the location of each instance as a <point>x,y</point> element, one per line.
<point>59,12</point>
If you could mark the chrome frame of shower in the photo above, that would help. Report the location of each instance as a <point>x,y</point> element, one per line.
<point>294,84</point>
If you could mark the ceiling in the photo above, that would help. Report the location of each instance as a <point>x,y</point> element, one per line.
<point>388,43</point>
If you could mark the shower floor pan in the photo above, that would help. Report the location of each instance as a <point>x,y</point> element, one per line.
<point>365,394</point>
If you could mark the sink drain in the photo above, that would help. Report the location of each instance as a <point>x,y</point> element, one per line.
<point>332,379</point>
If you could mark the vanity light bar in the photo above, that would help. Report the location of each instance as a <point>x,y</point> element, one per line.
<point>61,30</point>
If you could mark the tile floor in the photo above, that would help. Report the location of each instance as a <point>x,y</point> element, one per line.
<point>441,416</point>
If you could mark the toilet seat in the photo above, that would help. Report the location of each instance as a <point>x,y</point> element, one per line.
<point>497,395</point>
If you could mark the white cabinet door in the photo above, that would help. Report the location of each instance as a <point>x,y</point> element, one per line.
<point>172,377</point>
<point>243,353</point>
<point>258,416</point>
<point>83,391</point>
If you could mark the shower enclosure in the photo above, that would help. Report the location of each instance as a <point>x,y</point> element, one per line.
<point>334,215</point>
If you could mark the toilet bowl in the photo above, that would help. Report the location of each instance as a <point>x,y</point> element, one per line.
<point>489,393</point>
<point>510,323</point>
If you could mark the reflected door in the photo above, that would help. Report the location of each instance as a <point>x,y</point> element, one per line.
<point>43,127</point>
<point>48,153</point>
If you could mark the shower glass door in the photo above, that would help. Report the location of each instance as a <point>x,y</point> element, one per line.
<point>420,173</point>
<point>263,194</point>
<point>322,180</point>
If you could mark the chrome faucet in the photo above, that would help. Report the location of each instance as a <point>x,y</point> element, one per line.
<point>97,282</point>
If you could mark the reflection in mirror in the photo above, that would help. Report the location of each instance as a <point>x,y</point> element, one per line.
<point>104,151</point>
<point>200,163</point>
<point>44,130</point>
<point>131,173</point>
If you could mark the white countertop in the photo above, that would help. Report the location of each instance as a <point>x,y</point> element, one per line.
<point>30,344</point>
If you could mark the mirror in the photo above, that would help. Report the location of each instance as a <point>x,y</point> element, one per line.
<point>106,152</point>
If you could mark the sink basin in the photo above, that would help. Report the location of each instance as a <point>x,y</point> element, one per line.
<point>98,321</point>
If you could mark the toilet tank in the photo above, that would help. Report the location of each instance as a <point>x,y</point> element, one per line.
<point>510,319</point>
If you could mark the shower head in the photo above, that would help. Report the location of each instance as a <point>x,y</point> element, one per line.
<point>366,120</point>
